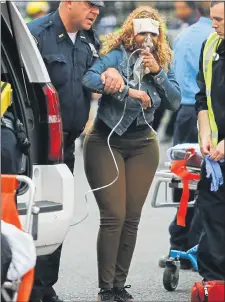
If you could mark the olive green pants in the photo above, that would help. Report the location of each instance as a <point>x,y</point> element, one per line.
<point>120,205</point>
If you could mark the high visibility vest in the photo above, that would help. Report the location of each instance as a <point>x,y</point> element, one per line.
<point>6,97</point>
<point>210,49</point>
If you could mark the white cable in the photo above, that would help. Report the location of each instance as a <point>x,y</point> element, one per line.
<point>108,139</point>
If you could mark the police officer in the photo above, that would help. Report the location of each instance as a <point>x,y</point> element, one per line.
<point>210,107</point>
<point>68,47</point>
<point>10,152</point>
<point>14,141</point>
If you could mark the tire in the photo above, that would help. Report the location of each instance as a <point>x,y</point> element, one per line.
<point>170,278</point>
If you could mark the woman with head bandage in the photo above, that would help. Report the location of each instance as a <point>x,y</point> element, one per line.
<point>140,52</point>
<point>146,32</point>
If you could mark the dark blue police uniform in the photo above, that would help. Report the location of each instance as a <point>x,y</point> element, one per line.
<point>66,63</point>
<point>11,154</point>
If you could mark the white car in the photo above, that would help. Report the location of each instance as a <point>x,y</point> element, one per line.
<point>37,106</point>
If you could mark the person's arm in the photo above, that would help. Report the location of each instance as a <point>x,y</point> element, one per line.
<point>111,78</point>
<point>168,89</point>
<point>201,107</point>
<point>206,145</point>
<point>203,124</point>
<point>216,153</point>
<point>166,84</point>
<point>200,97</point>
<point>92,79</point>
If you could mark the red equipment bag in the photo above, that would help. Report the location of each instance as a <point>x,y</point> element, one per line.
<point>209,291</point>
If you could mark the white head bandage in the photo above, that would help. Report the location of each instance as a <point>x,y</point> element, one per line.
<point>145,25</point>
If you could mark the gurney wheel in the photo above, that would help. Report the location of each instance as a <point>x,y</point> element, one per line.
<point>170,278</point>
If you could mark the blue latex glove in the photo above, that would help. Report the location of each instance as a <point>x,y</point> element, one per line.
<point>213,170</point>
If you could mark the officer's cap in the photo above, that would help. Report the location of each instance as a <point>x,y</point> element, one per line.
<point>99,3</point>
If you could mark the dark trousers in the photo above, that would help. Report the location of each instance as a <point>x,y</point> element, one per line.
<point>47,267</point>
<point>120,204</point>
<point>184,238</point>
<point>185,131</point>
<point>171,125</point>
<point>10,153</point>
<point>158,115</point>
<point>211,206</point>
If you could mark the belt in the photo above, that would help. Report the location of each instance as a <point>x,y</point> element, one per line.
<point>5,122</point>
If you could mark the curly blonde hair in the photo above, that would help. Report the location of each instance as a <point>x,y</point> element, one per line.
<point>125,36</point>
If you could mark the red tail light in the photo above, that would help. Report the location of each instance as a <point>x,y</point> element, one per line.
<point>55,148</point>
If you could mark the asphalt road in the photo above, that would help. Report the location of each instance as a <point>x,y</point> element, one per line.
<point>78,270</point>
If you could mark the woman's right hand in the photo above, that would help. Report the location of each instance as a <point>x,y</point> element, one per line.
<point>141,96</point>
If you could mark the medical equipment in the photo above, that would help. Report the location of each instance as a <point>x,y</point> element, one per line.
<point>190,159</point>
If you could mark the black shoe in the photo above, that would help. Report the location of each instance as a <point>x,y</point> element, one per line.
<point>185,264</point>
<point>121,294</point>
<point>106,295</point>
<point>52,299</point>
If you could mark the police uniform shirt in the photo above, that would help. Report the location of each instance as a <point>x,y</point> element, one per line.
<point>66,63</point>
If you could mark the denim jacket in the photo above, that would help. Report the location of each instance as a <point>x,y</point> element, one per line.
<point>161,88</point>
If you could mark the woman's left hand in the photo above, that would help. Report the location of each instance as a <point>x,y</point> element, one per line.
<point>150,62</point>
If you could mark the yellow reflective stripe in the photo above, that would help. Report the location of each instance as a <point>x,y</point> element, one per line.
<point>209,53</point>
<point>208,92</point>
<point>214,134</point>
<point>210,48</point>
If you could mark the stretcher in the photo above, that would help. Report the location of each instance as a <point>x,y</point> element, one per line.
<point>189,157</point>
<point>20,289</point>
<point>183,172</point>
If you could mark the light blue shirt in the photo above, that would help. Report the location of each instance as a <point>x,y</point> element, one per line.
<point>187,48</point>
